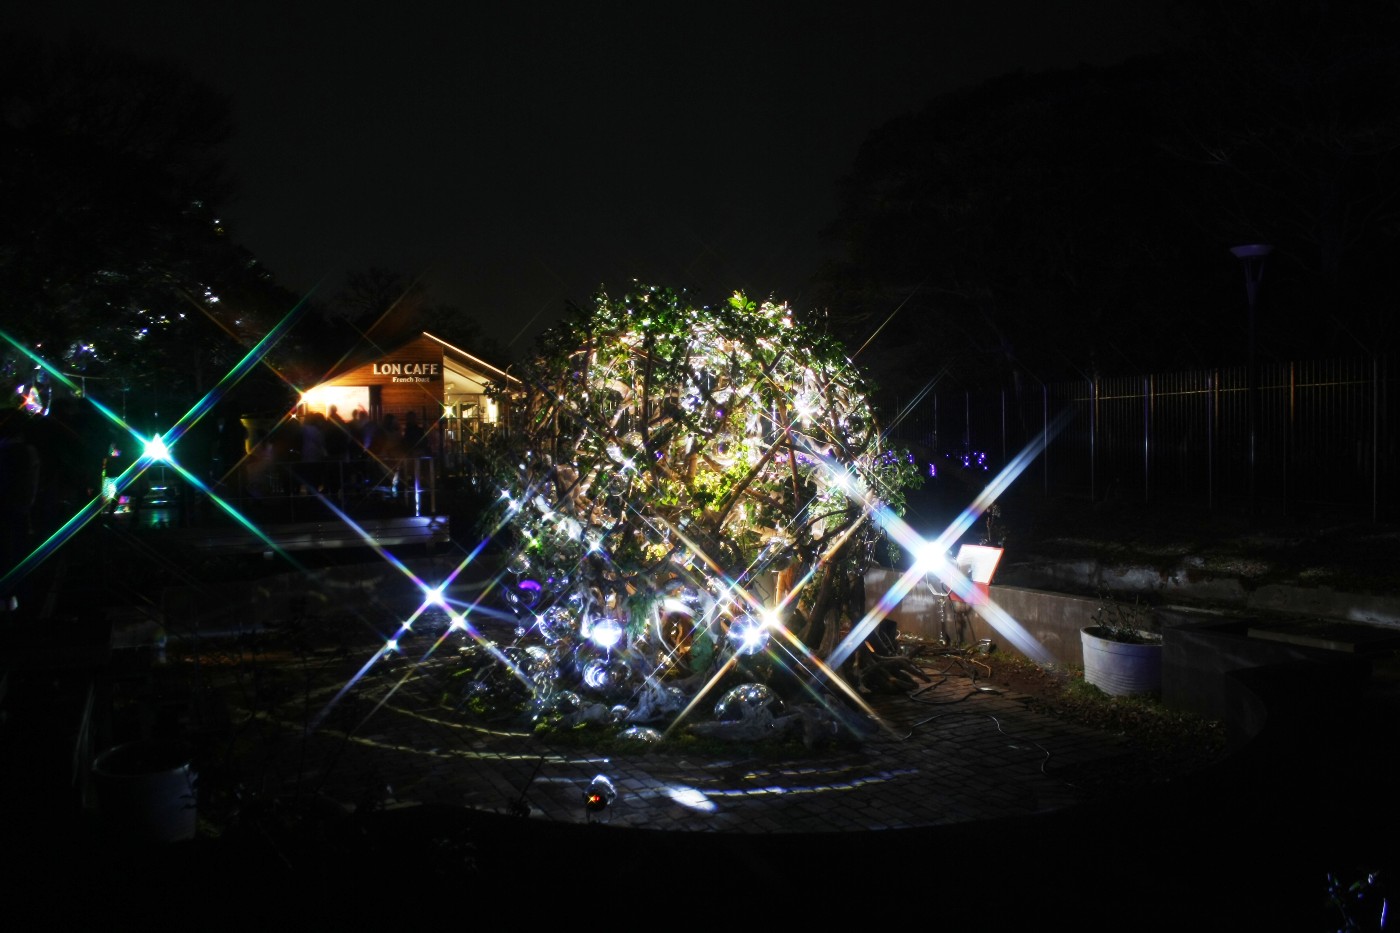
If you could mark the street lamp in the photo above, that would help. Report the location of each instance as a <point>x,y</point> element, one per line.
<point>1252,256</point>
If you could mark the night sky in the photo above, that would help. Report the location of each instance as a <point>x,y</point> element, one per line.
<point>517,158</point>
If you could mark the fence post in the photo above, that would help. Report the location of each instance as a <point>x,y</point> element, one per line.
<point>1146,440</point>
<point>1305,424</point>
<point>1375,438</point>
<point>937,448</point>
<point>1094,439</point>
<point>1212,416</point>
<point>1003,427</point>
<point>1045,437</point>
<point>1289,430</point>
<point>432,487</point>
<point>967,422</point>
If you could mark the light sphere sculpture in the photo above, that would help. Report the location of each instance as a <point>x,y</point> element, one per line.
<point>672,462</point>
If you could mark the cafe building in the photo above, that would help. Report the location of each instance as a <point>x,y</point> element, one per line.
<point>449,391</point>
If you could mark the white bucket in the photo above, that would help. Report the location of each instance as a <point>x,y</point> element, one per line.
<point>146,792</point>
<point>1121,669</point>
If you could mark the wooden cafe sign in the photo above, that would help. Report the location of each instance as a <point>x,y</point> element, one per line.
<point>408,372</point>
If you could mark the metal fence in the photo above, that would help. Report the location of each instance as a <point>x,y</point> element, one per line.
<point>1303,435</point>
<point>275,492</point>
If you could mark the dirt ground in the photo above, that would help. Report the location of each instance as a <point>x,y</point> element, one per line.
<point>1165,744</point>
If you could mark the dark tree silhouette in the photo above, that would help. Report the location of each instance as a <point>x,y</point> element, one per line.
<point>386,307</point>
<point>1060,223</point>
<point>1287,112</point>
<point>114,262</point>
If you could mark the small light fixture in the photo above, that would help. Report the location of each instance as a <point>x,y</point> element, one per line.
<point>606,632</point>
<point>599,795</point>
<point>156,449</point>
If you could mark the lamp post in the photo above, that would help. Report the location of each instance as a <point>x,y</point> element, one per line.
<point>1252,256</point>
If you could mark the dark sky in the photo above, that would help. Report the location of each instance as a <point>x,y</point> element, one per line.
<point>516,156</point>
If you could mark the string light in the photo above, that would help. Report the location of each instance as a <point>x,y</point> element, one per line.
<point>675,447</point>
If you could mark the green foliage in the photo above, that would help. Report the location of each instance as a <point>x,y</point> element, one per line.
<point>641,609</point>
<point>667,444</point>
<point>702,649</point>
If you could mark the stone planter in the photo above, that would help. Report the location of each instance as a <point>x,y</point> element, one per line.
<point>146,792</point>
<point>1119,668</point>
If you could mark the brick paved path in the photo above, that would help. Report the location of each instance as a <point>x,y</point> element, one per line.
<point>952,752</point>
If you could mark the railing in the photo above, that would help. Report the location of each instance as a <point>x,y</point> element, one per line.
<point>276,492</point>
<point>1322,434</point>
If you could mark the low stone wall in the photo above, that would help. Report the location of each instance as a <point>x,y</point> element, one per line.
<point>1187,586</point>
<point>1052,619</point>
<point>1208,657</point>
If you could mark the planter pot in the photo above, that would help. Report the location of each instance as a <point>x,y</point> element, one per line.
<point>1121,669</point>
<point>146,792</point>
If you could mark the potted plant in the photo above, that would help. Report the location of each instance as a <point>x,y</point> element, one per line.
<point>1123,649</point>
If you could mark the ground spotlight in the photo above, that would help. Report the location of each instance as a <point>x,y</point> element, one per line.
<point>599,794</point>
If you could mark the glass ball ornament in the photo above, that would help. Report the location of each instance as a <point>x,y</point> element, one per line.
<point>564,702</point>
<point>605,632</point>
<point>605,674</point>
<point>540,666</point>
<point>641,735</point>
<point>676,627</point>
<point>748,634</point>
<point>528,591</point>
<point>558,623</point>
<point>571,528</point>
<point>746,701</point>
<point>495,694</point>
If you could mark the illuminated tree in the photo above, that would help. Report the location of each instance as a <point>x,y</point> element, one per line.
<point>677,471</point>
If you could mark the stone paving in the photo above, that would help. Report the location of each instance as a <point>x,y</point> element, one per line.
<point>963,809</point>
<point>952,751</point>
